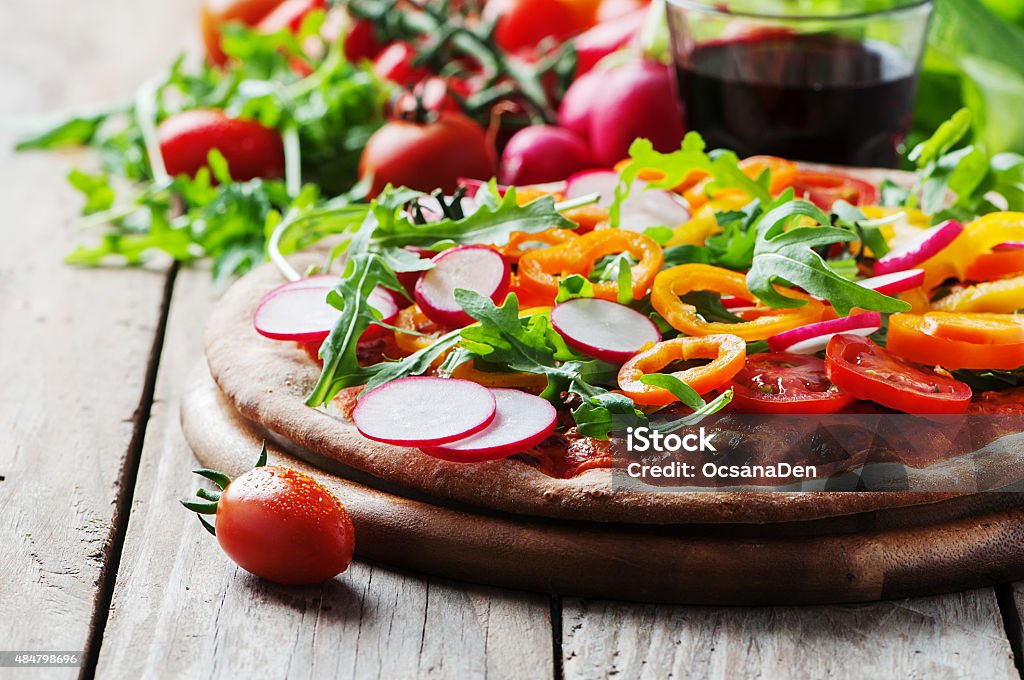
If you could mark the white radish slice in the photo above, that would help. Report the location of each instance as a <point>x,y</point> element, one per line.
<point>603,329</point>
<point>521,421</point>
<point>814,338</point>
<point>897,282</point>
<point>644,208</point>
<point>923,248</point>
<point>424,411</point>
<point>298,311</point>
<point>477,268</point>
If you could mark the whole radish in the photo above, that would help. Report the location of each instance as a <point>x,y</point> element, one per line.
<point>543,153</point>
<point>582,98</point>
<point>598,42</point>
<point>637,99</point>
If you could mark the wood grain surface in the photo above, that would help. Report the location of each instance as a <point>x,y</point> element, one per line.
<point>181,608</point>
<point>954,636</point>
<point>76,344</point>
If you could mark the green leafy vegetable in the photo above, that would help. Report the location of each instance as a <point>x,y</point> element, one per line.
<point>789,258</point>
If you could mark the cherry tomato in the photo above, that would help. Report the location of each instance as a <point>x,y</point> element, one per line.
<point>361,42</point>
<point>427,156</point>
<point>289,14</point>
<point>250,149</point>
<point>860,367</point>
<point>522,24</point>
<point>282,525</point>
<point>786,383</point>
<point>394,63</point>
<point>823,189</point>
<point>215,14</point>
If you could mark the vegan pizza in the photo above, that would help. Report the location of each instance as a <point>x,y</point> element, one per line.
<point>491,347</point>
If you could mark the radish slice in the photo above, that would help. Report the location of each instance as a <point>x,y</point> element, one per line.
<point>929,244</point>
<point>476,268</point>
<point>298,311</point>
<point>897,282</point>
<point>732,302</point>
<point>814,338</point>
<point>521,421</point>
<point>424,411</point>
<point>603,329</point>
<point>644,208</point>
<point>1010,245</point>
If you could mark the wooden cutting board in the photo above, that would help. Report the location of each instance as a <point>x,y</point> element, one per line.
<point>942,547</point>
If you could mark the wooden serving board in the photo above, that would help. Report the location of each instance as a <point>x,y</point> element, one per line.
<point>963,543</point>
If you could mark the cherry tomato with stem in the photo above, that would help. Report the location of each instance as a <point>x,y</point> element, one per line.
<point>251,149</point>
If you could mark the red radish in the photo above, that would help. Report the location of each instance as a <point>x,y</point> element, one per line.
<point>897,282</point>
<point>521,421</point>
<point>475,185</point>
<point>582,98</point>
<point>603,329</point>
<point>929,244</point>
<point>298,311</point>
<point>638,100</point>
<point>542,153</point>
<point>644,208</point>
<point>405,412</point>
<point>1011,245</point>
<point>598,42</point>
<point>477,268</point>
<point>814,337</point>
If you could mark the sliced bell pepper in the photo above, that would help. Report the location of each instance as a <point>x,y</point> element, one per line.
<point>728,354</point>
<point>998,264</point>
<point>540,271</point>
<point>764,322</point>
<point>413,319</point>
<point>957,340</point>
<point>704,223</point>
<point>513,250</point>
<point>978,238</point>
<point>500,378</point>
<point>1004,296</point>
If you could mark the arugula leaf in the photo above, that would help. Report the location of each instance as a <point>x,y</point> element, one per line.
<point>492,223</point>
<point>363,273</point>
<point>709,306</point>
<point>699,414</point>
<point>789,258</point>
<point>677,387</point>
<point>574,286</point>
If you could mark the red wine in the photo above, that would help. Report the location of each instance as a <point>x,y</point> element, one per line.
<point>803,97</point>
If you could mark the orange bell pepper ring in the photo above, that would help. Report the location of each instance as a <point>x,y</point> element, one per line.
<point>951,340</point>
<point>998,264</point>
<point>413,319</point>
<point>513,250</point>
<point>540,271</point>
<point>728,354</point>
<point>764,322</point>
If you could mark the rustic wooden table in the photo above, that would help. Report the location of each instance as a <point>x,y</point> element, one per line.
<point>98,556</point>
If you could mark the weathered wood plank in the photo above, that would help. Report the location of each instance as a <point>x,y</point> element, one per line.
<point>951,636</point>
<point>76,344</point>
<point>182,609</point>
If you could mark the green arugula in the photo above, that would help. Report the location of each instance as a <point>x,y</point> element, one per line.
<point>788,257</point>
<point>363,273</point>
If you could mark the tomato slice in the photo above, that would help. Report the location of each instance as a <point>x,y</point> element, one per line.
<point>859,367</point>
<point>823,189</point>
<point>786,383</point>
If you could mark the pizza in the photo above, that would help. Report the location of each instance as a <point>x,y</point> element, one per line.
<point>493,349</point>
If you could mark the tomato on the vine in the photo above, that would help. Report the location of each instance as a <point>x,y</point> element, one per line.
<point>361,41</point>
<point>395,63</point>
<point>250,149</point>
<point>278,523</point>
<point>427,155</point>
<point>786,383</point>
<point>859,367</point>
<point>523,24</point>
